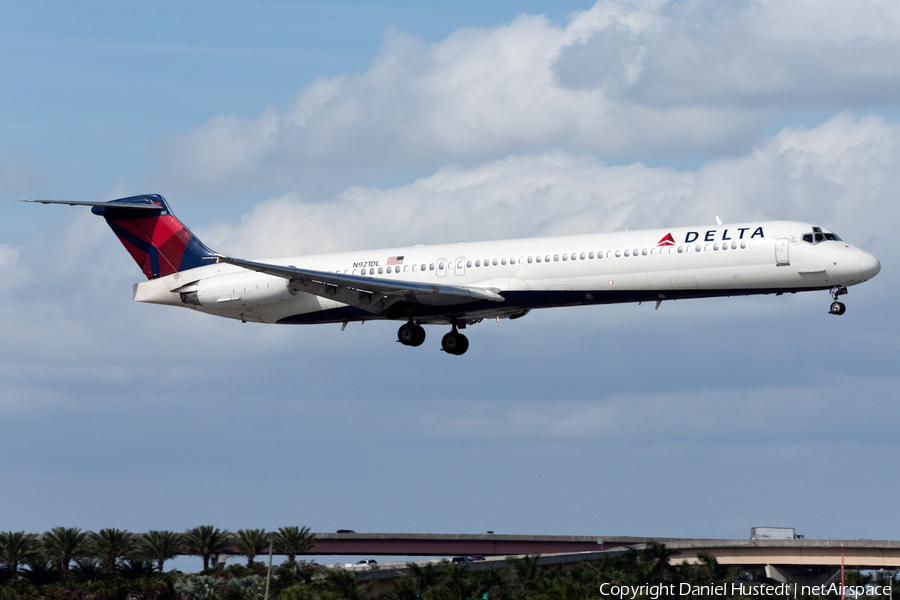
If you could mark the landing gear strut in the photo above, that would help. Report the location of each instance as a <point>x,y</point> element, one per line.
<point>837,308</point>
<point>454,343</point>
<point>411,334</point>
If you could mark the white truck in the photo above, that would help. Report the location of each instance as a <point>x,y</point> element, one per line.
<point>773,533</point>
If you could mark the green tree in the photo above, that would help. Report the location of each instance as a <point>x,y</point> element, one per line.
<point>205,541</point>
<point>250,543</point>
<point>62,544</point>
<point>160,546</point>
<point>109,545</point>
<point>291,541</point>
<point>16,547</point>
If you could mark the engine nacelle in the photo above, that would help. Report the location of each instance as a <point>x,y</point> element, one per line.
<point>236,290</point>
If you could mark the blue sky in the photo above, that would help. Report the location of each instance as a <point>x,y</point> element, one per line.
<point>286,128</point>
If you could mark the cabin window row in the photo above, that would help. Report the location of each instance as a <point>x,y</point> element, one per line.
<point>487,262</point>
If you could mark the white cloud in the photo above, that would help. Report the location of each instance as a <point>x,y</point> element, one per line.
<point>840,174</point>
<point>622,77</point>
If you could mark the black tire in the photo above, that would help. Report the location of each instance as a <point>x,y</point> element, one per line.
<point>838,308</point>
<point>411,334</point>
<point>455,343</point>
<point>419,335</point>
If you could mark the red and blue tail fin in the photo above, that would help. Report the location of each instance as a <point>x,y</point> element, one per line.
<point>158,242</point>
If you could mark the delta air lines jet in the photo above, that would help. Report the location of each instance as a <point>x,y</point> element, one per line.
<point>462,284</point>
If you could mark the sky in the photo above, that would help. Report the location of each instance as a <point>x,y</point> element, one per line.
<point>281,128</point>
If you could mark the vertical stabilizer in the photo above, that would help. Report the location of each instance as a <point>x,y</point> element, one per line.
<point>159,243</point>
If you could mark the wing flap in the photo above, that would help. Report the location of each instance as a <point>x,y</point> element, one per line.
<point>368,293</point>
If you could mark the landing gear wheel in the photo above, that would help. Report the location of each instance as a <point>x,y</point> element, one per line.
<point>455,343</point>
<point>838,308</point>
<point>411,334</point>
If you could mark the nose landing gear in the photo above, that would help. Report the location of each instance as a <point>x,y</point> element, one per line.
<point>837,308</point>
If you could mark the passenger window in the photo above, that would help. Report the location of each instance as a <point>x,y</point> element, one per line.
<point>706,248</point>
<point>582,256</point>
<point>743,245</point>
<point>423,266</point>
<point>468,264</point>
<point>715,246</point>
<point>546,258</point>
<point>354,271</point>
<point>389,269</point>
<point>406,268</point>
<point>644,252</point>
<point>440,266</point>
<point>680,249</point>
<point>591,256</point>
<point>653,251</point>
<point>574,256</point>
<point>503,261</point>
<point>627,253</point>
<point>477,263</point>
<point>529,260</point>
<point>415,268</point>
<point>538,259</point>
<point>565,257</point>
<point>556,258</point>
<point>698,248</point>
<point>512,260</point>
<point>380,270</point>
<point>634,252</point>
<point>618,253</point>
<point>431,267</point>
<point>495,262</point>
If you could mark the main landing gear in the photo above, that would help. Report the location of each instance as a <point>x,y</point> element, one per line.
<point>454,343</point>
<point>411,334</point>
<point>837,308</point>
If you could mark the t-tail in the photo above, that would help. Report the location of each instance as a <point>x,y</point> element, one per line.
<point>158,242</point>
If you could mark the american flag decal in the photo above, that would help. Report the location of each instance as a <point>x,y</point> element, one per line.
<point>395,260</point>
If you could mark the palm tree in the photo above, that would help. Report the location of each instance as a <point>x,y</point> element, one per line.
<point>160,546</point>
<point>291,541</point>
<point>109,545</point>
<point>250,543</point>
<point>205,541</point>
<point>15,548</point>
<point>62,544</point>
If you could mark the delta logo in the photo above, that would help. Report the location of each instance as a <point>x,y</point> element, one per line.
<point>668,240</point>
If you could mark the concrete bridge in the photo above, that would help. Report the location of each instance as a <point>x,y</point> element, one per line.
<point>802,561</point>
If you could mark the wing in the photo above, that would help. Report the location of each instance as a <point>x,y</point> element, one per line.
<point>368,293</point>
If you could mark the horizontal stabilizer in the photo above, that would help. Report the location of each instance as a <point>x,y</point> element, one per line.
<point>140,205</point>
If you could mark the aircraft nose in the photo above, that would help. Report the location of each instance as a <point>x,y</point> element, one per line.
<point>869,266</point>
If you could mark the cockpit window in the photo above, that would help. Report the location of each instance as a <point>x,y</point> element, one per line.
<point>820,236</point>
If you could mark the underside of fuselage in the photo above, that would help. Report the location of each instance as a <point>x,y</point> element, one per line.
<point>518,304</point>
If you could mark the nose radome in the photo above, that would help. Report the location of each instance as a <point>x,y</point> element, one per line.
<point>869,266</point>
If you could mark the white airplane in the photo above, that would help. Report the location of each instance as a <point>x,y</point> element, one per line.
<point>465,283</point>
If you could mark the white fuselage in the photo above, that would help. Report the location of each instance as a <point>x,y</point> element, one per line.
<point>648,265</point>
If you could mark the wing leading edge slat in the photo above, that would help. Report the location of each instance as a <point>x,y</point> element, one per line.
<point>368,293</point>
